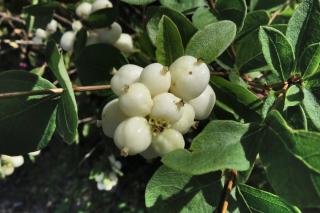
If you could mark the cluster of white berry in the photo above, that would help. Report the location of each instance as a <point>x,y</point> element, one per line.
<point>110,35</point>
<point>41,35</point>
<point>157,105</point>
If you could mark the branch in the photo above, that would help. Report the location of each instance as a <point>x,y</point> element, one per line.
<point>5,16</point>
<point>53,91</point>
<point>228,186</point>
<point>62,19</point>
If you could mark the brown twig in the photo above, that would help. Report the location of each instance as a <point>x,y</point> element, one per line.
<point>278,12</point>
<point>62,19</point>
<point>53,91</point>
<point>212,4</point>
<point>228,186</point>
<point>5,16</point>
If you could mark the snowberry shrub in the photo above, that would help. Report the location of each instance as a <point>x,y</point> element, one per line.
<point>219,95</point>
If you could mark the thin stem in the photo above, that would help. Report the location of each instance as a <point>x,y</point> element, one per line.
<point>212,4</point>
<point>53,91</point>
<point>278,12</point>
<point>228,186</point>
<point>62,19</point>
<point>5,16</point>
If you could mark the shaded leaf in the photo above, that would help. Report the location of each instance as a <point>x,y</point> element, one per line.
<point>67,114</point>
<point>101,18</point>
<point>169,43</point>
<point>309,61</point>
<point>95,63</point>
<point>138,2</point>
<point>304,26</point>
<point>183,5</point>
<point>185,27</point>
<point>233,10</point>
<point>311,106</point>
<point>17,114</point>
<point>277,51</point>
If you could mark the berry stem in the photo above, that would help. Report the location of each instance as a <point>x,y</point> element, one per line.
<point>53,91</point>
<point>228,186</point>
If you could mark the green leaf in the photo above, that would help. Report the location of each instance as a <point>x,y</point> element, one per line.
<point>294,96</point>
<point>101,18</point>
<point>183,5</point>
<point>256,200</point>
<point>240,99</point>
<point>312,82</point>
<point>211,41</point>
<point>95,63</point>
<point>67,115</point>
<point>202,17</point>
<point>311,106</point>
<point>304,145</point>
<point>185,27</point>
<point>304,26</point>
<point>169,43</point>
<point>171,191</point>
<point>268,103</point>
<point>138,2</point>
<point>80,42</point>
<point>218,146</point>
<point>17,114</point>
<point>277,51</point>
<point>289,176</point>
<point>252,22</point>
<point>265,4</point>
<point>309,60</point>
<point>233,10</point>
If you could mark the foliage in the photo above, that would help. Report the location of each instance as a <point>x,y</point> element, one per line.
<point>264,61</point>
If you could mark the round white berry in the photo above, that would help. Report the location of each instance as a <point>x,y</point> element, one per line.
<point>124,77</point>
<point>136,101</point>
<point>167,141</point>
<point>67,40</point>
<point>109,34</point>
<point>190,77</point>
<point>111,117</point>
<point>76,26</point>
<point>157,78</point>
<point>40,33</point>
<point>52,26</point>
<point>125,43</point>
<point>83,10</point>
<point>93,38</point>
<point>101,4</point>
<point>149,153</point>
<point>203,104</point>
<point>16,161</point>
<point>186,121</point>
<point>133,136</point>
<point>37,40</point>
<point>166,107</point>
<point>7,170</point>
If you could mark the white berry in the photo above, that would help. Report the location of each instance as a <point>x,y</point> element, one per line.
<point>37,40</point>
<point>109,34</point>
<point>133,136</point>
<point>101,4</point>
<point>166,107</point>
<point>83,10</point>
<point>124,77</point>
<point>40,33</point>
<point>16,161</point>
<point>190,77</point>
<point>125,43</point>
<point>52,26</point>
<point>157,78</point>
<point>76,26</point>
<point>149,153</point>
<point>93,38</point>
<point>112,116</point>
<point>136,101</point>
<point>67,40</point>
<point>203,104</point>
<point>186,121</point>
<point>167,141</point>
